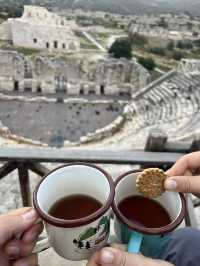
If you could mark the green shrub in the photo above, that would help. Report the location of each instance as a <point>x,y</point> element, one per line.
<point>121,48</point>
<point>148,63</point>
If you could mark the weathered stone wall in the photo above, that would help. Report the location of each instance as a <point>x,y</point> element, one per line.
<point>160,32</point>
<point>101,133</point>
<point>189,66</point>
<point>43,37</point>
<point>40,29</point>
<point>40,15</point>
<point>5,31</point>
<point>73,76</point>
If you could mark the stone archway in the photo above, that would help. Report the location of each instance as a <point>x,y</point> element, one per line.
<point>27,70</point>
<point>16,66</point>
<point>16,85</point>
<point>39,88</point>
<point>102,89</point>
<point>72,46</point>
<point>39,67</point>
<point>81,92</point>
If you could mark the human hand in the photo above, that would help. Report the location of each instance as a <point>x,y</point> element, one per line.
<point>116,257</point>
<point>184,174</point>
<point>18,236</point>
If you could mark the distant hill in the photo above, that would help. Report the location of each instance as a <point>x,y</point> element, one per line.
<point>117,6</point>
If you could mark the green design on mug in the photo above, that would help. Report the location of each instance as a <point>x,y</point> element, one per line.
<point>91,237</point>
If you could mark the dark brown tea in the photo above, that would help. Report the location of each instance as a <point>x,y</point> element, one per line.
<point>74,207</point>
<point>144,212</point>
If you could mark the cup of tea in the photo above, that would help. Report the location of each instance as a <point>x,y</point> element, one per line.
<point>74,202</point>
<point>145,224</point>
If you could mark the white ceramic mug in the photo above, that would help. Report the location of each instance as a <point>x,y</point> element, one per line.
<point>76,239</point>
<point>148,241</point>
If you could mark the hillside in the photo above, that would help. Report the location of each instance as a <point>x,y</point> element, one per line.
<point>116,6</point>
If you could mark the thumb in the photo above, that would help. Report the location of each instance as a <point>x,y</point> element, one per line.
<point>187,184</point>
<point>16,224</point>
<point>115,257</point>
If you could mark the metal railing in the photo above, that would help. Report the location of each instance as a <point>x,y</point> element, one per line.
<point>32,159</point>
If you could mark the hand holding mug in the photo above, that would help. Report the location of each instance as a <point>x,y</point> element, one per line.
<point>18,236</point>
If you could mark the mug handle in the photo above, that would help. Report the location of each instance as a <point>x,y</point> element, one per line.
<point>41,245</point>
<point>135,242</point>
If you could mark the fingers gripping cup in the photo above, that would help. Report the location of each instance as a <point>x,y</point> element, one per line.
<point>74,202</point>
<point>145,224</point>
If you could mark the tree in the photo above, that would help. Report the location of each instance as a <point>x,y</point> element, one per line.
<point>138,39</point>
<point>17,12</point>
<point>188,45</point>
<point>11,12</point>
<point>87,245</point>
<point>197,43</point>
<point>189,25</point>
<point>80,244</point>
<point>180,45</point>
<point>184,45</point>
<point>121,48</point>
<point>177,55</point>
<point>162,23</point>
<point>106,16</point>
<point>148,63</point>
<point>170,46</point>
<point>195,34</point>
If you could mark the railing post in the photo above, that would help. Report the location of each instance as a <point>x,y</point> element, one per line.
<point>24,184</point>
<point>156,140</point>
<point>38,169</point>
<point>7,168</point>
<point>195,145</point>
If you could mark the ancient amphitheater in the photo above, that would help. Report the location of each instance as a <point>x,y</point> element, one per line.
<point>170,103</point>
<point>33,84</point>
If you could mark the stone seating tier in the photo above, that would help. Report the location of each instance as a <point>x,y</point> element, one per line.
<point>173,100</point>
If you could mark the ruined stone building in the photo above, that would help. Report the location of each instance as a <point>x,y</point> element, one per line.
<point>73,76</point>
<point>47,74</point>
<point>40,29</point>
<point>160,32</point>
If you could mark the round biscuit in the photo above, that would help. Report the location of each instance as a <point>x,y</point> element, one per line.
<point>150,182</point>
